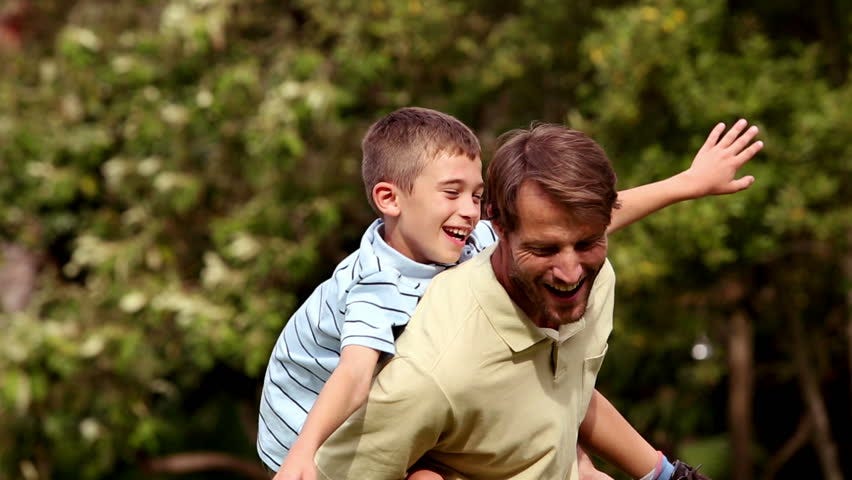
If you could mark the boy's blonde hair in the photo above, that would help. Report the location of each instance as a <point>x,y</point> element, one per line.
<point>398,146</point>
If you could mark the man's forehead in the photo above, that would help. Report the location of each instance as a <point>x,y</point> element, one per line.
<point>570,230</point>
<point>541,219</point>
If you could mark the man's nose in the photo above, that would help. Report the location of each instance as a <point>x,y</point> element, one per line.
<point>567,267</point>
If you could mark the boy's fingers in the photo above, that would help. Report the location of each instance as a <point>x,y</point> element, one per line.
<point>713,138</point>
<point>733,133</point>
<point>745,138</point>
<point>749,152</point>
<point>741,184</point>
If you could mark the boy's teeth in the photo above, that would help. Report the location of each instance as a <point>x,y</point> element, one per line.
<point>458,232</point>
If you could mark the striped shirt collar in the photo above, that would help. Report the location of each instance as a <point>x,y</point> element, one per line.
<point>373,245</point>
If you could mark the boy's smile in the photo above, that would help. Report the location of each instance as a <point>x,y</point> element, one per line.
<point>435,219</point>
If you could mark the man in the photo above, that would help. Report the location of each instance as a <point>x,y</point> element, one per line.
<point>495,373</point>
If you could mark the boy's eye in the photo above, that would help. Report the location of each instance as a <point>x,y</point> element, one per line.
<point>452,193</point>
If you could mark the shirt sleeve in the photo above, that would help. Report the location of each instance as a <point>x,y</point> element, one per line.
<point>374,306</point>
<point>403,419</point>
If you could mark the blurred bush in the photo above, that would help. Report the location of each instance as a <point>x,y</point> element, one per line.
<point>186,171</point>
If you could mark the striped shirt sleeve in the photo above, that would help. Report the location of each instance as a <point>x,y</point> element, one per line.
<point>375,305</point>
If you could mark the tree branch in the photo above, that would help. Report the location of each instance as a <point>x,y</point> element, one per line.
<point>741,393</point>
<point>825,446</point>
<point>793,444</point>
<point>194,462</point>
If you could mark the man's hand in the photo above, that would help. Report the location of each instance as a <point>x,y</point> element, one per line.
<point>715,165</point>
<point>297,466</point>
<point>587,469</point>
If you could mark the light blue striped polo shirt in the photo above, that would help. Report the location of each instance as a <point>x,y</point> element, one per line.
<point>367,301</point>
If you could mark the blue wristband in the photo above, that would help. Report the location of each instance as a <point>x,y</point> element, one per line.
<point>667,470</point>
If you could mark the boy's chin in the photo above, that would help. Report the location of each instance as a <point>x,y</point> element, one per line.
<point>447,258</point>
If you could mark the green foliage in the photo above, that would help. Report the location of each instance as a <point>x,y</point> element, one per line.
<point>188,172</point>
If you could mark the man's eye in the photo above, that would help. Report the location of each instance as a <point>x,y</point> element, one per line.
<point>587,245</point>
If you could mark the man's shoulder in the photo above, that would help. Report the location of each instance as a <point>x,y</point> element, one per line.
<point>447,316</point>
<point>607,273</point>
<point>602,299</point>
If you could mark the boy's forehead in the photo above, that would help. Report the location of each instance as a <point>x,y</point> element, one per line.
<point>448,164</point>
<point>447,155</point>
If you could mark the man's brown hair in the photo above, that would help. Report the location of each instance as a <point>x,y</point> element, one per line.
<point>399,145</point>
<point>565,163</point>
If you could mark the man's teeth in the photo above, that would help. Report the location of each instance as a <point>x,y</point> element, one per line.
<point>564,288</point>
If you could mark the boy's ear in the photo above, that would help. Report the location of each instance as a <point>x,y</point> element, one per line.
<point>386,198</point>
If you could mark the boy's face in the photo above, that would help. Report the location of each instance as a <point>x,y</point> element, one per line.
<point>441,211</point>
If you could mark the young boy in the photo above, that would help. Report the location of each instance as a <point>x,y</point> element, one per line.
<point>422,173</point>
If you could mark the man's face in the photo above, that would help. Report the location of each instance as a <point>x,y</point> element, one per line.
<point>549,263</point>
<point>441,211</point>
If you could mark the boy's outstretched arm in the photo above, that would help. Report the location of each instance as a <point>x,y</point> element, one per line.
<point>712,172</point>
<point>346,390</point>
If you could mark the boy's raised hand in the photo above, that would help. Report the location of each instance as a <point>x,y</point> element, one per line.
<point>713,170</point>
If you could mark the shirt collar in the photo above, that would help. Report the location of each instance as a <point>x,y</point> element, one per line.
<point>508,320</point>
<point>373,244</point>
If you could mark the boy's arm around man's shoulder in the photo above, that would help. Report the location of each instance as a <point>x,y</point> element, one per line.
<point>345,391</point>
<point>404,416</point>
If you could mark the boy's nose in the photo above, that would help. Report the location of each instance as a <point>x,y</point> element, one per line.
<point>469,209</point>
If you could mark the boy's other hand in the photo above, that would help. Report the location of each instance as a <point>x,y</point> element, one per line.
<point>297,467</point>
<point>715,166</point>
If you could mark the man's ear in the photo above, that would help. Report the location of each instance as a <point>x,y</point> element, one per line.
<point>386,198</point>
<point>498,229</point>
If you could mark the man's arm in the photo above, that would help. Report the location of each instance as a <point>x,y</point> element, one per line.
<point>345,391</point>
<point>712,172</point>
<point>607,433</point>
<point>586,468</point>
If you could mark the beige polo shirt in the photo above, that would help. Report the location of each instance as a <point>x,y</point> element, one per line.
<point>476,389</point>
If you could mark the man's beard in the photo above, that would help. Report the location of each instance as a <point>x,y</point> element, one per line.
<point>540,311</point>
